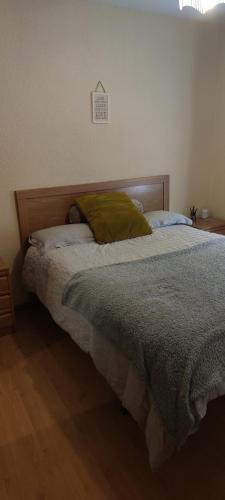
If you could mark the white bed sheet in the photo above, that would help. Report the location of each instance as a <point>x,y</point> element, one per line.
<point>46,275</point>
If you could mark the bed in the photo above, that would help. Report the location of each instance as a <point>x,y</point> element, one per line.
<point>47,274</point>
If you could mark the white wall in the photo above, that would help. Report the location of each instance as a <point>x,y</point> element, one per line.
<point>217,166</point>
<point>159,71</point>
<point>205,114</point>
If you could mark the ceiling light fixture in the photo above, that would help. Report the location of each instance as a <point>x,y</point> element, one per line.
<point>202,5</point>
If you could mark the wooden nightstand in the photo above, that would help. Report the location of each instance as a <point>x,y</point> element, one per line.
<point>7,323</point>
<point>211,224</point>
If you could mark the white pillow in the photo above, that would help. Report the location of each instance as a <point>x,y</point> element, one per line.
<point>61,236</point>
<point>161,218</point>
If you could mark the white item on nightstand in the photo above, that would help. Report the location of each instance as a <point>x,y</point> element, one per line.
<point>205,213</point>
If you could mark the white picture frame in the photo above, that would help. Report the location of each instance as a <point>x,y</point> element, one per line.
<point>100,107</point>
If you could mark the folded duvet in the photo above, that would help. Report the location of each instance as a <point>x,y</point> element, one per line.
<point>167,315</point>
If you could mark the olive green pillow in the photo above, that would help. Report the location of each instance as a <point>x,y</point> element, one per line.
<point>112,217</point>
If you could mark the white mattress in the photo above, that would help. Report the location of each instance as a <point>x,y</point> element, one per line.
<point>46,275</point>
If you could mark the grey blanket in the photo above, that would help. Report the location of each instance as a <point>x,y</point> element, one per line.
<point>167,314</point>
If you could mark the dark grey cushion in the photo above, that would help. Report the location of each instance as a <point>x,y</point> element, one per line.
<point>75,216</point>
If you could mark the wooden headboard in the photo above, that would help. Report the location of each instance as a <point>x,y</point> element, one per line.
<point>46,207</point>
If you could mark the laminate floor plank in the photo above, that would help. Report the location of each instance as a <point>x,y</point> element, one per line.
<point>63,436</point>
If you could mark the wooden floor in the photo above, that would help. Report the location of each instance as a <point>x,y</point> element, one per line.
<point>63,437</point>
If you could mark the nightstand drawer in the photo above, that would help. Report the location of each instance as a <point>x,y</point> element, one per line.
<point>4,284</point>
<point>6,321</point>
<point>5,303</point>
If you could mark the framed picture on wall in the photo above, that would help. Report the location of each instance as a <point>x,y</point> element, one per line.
<point>100,107</point>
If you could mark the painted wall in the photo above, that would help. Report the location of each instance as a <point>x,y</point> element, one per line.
<point>217,166</point>
<point>159,70</point>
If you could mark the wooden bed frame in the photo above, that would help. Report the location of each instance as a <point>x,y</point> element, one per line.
<point>47,207</point>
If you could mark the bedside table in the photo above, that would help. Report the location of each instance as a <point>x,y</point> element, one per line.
<point>211,224</point>
<point>7,324</point>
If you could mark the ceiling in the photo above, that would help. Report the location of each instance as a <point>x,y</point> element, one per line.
<point>166,6</point>
<point>170,7</point>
